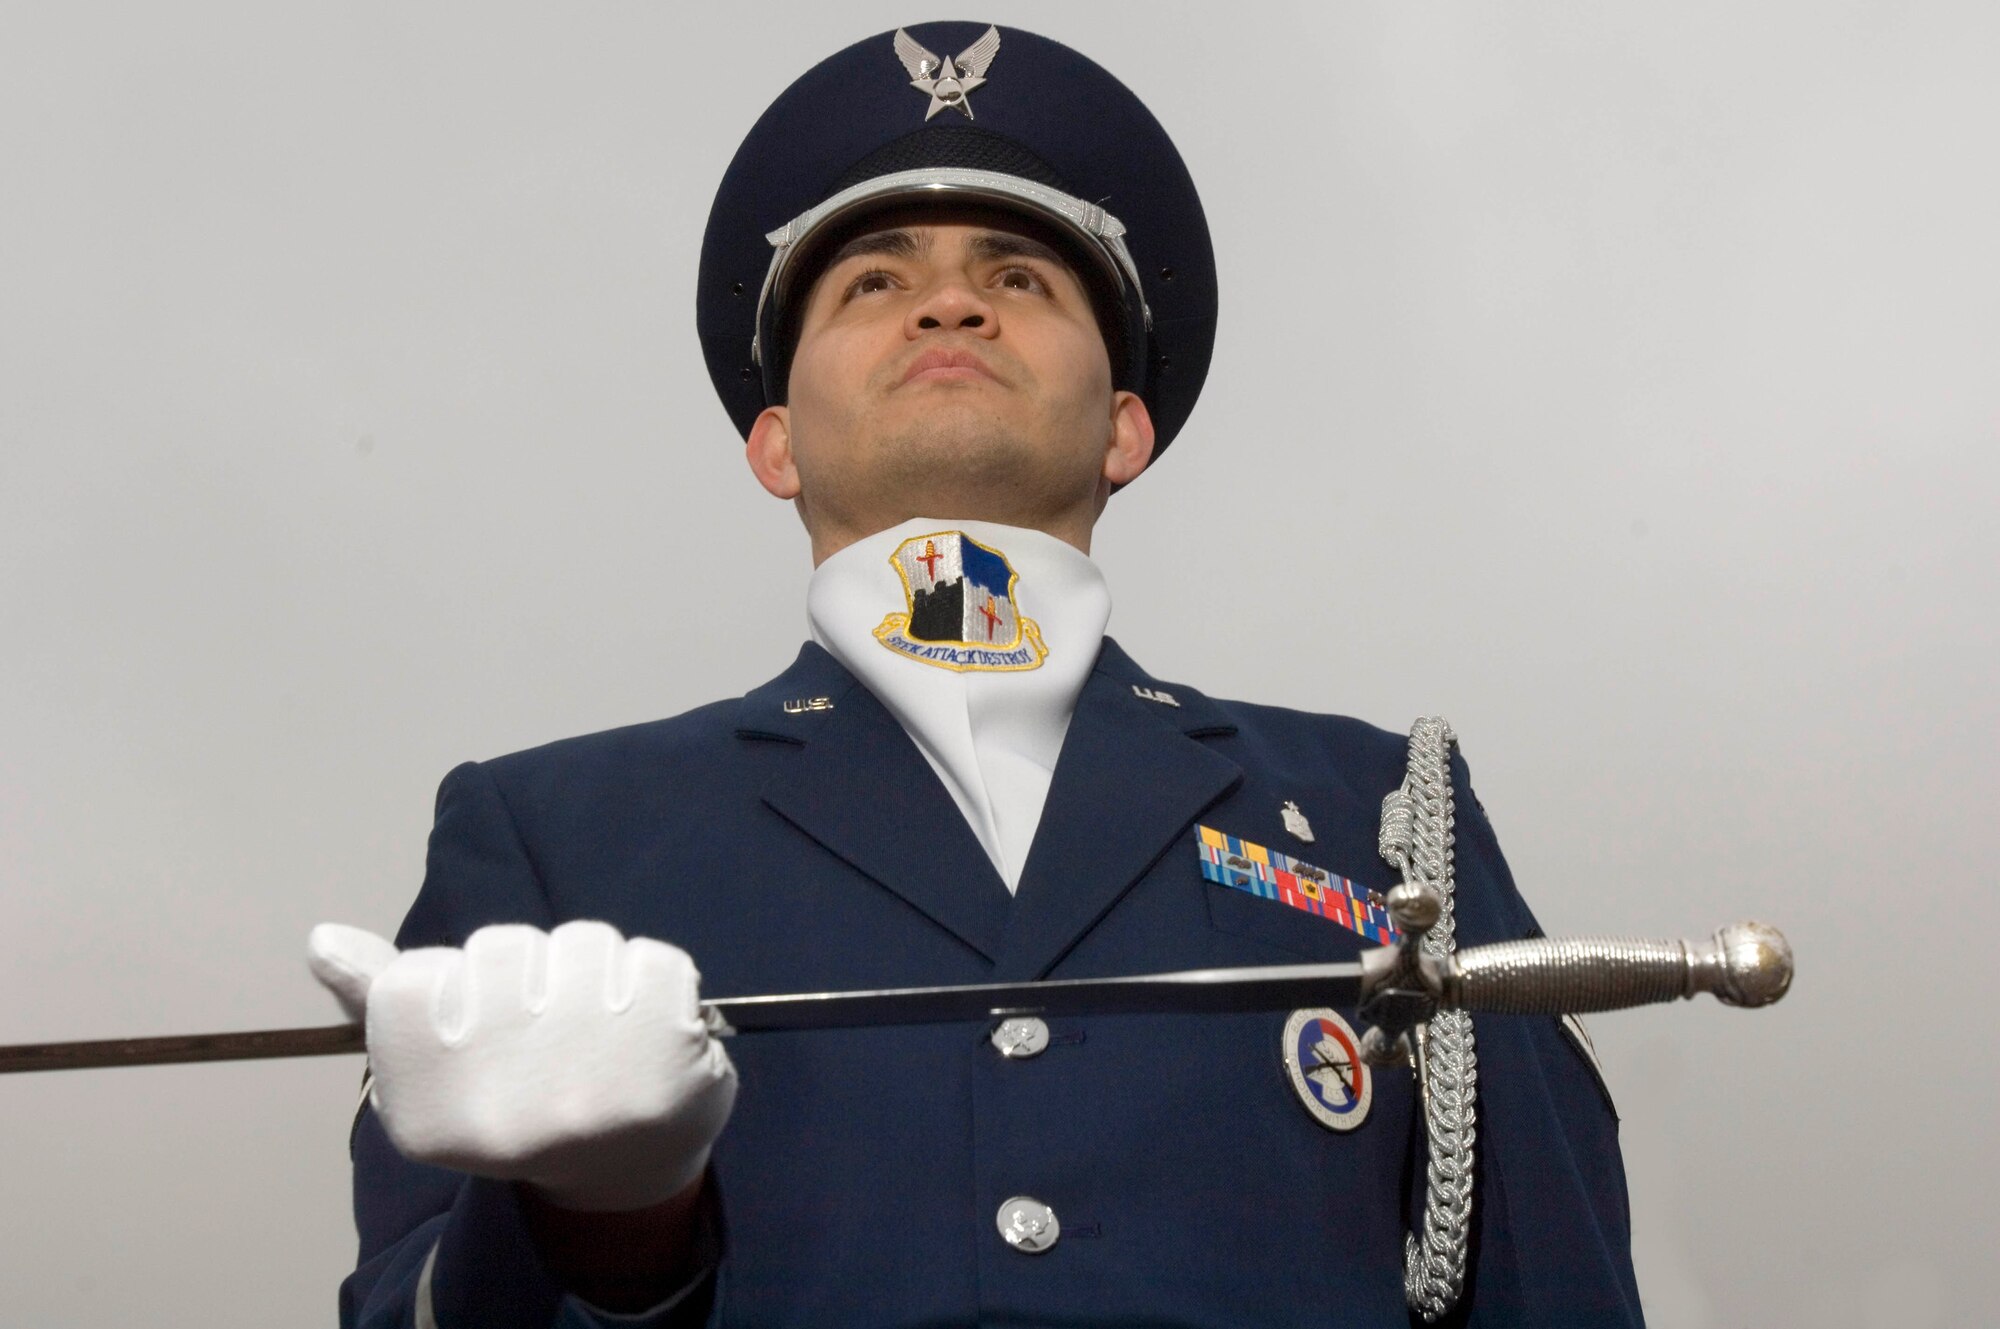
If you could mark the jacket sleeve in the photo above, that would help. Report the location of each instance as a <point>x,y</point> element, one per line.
<point>440,1249</point>
<point>1551,1242</point>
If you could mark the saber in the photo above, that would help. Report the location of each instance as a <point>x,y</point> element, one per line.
<point>1746,964</point>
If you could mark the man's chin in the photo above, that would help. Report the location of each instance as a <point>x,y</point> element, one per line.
<point>969,443</point>
<point>972,470</point>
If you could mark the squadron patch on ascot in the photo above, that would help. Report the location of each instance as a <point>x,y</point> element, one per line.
<point>1323,1059</point>
<point>1255,870</point>
<point>960,611</point>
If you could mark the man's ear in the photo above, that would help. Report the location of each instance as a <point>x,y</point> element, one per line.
<point>1131,443</point>
<point>769,452</point>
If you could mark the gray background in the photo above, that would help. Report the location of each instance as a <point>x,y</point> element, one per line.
<point>1617,380</point>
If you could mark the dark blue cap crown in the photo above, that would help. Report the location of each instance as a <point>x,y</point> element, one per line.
<point>962,112</point>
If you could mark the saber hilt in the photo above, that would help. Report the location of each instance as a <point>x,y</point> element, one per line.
<point>1745,964</point>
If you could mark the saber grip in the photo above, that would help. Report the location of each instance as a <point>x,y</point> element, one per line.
<point>1747,964</point>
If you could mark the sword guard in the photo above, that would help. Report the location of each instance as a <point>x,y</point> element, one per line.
<point>1402,983</point>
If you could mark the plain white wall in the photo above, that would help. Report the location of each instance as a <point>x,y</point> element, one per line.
<point>1618,380</point>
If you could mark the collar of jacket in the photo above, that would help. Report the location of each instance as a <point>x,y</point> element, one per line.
<point>1133,777</point>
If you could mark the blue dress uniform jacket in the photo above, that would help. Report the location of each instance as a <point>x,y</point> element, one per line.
<point>799,849</point>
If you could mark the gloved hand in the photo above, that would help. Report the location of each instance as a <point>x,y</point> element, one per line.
<point>573,1060</point>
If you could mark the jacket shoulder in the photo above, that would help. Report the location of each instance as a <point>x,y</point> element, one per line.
<point>695,752</point>
<point>676,738</point>
<point>1283,723</point>
<point>1277,737</point>
<point>577,791</point>
<point>1368,757</point>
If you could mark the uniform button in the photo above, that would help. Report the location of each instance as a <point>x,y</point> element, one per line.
<point>1028,1225</point>
<point>1019,1038</point>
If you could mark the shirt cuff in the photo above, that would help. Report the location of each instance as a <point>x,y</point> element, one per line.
<point>687,1306</point>
<point>577,1313</point>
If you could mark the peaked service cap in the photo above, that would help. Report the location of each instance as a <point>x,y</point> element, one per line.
<point>961,113</point>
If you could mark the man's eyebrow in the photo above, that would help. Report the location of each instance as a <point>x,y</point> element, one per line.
<point>892,244</point>
<point>987,246</point>
<point>1006,244</point>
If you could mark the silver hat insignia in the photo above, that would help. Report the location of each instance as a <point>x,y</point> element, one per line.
<point>949,81</point>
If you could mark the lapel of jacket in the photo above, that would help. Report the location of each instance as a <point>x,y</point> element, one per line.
<point>863,791</point>
<point>1132,778</point>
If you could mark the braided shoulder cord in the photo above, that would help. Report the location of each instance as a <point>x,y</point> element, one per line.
<point>1416,839</point>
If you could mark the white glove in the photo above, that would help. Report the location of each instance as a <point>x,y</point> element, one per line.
<point>573,1060</point>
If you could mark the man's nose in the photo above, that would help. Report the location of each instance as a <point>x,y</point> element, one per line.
<point>952,304</point>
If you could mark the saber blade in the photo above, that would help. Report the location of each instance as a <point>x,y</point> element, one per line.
<point>252,1045</point>
<point>1187,991</point>
<point>1191,991</point>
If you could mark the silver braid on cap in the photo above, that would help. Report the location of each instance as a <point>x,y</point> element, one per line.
<point>1416,838</point>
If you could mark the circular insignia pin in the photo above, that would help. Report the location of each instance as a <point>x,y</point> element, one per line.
<point>1323,1058</point>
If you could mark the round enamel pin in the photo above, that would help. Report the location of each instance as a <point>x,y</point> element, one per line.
<point>1323,1057</point>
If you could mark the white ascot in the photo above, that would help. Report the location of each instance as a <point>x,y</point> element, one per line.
<point>991,734</point>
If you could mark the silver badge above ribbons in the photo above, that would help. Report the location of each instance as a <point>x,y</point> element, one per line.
<point>949,81</point>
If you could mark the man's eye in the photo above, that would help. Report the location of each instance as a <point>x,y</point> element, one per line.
<point>868,283</point>
<point>1021,279</point>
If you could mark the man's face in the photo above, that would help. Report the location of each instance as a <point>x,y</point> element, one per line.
<point>949,365</point>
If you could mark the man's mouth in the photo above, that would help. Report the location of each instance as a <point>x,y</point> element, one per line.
<point>945,364</point>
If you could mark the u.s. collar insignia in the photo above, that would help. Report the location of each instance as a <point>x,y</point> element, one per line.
<point>962,614</point>
<point>949,81</point>
<point>1323,1058</point>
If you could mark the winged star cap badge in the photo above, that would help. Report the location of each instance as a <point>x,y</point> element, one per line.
<point>949,81</point>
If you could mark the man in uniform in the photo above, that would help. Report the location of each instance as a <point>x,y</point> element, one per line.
<point>956,289</point>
